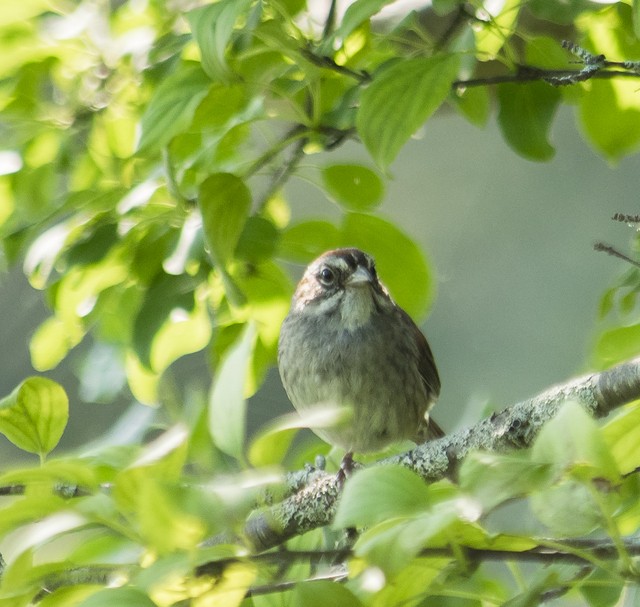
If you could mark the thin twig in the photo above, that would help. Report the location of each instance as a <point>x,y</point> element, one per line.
<point>362,76</point>
<point>605,248</point>
<point>281,176</point>
<point>291,136</point>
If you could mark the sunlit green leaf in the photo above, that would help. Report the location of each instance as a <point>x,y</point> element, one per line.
<point>34,416</point>
<point>417,87</point>
<point>165,294</point>
<point>143,382</point>
<point>52,341</point>
<point>355,187</point>
<point>183,333</point>
<point>623,437</point>
<point>497,30</point>
<point>610,110</point>
<point>610,116</point>
<point>616,345</point>
<point>165,524</point>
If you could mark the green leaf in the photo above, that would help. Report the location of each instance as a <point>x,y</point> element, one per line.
<point>575,447</point>
<point>52,341</point>
<point>258,240</point>
<point>610,116</point>
<point>525,116</point>
<point>393,543</point>
<point>610,110</point>
<point>413,287</point>
<point>306,240</point>
<point>320,593</point>
<point>618,344</point>
<point>473,103</point>
<point>493,35</point>
<point>494,478</point>
<point>165,294</point>
<point>34,416</point>
<point>225,202</point>
<point>227,402</point>
<point>165,525</point>
<point>573,437</point>
<point>623,437</point>
<point>376,494</point>
<point>123,597</point>
<point>358,12</point>
<point>412,583</point>
<point>400,99</point>
<point>559,12</point>
<point>567,509</point>
<point>601,589</point>
<point>172,107</point>
<point>183,333</point>
<point>212,26</point>
<point>355,187</point>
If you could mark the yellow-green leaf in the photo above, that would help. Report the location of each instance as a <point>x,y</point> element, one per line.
<point>34,416</point>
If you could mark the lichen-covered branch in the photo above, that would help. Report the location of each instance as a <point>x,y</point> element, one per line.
<point>513,428</point>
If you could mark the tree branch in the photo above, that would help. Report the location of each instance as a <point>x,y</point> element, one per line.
<point>516,427</point>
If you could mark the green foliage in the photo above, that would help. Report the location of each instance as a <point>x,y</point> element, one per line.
<point>149,148</point>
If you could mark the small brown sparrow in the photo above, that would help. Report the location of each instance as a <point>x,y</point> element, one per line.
<point>345,342</point>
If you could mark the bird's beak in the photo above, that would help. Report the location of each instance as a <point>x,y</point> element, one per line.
<point>359,278</point>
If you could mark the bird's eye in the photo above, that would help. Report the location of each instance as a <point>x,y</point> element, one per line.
<point>327,276</point>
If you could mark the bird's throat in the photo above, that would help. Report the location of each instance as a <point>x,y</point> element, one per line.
<point>356,307</point>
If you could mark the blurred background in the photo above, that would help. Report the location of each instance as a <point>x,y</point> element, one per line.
<point>510,243</point>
